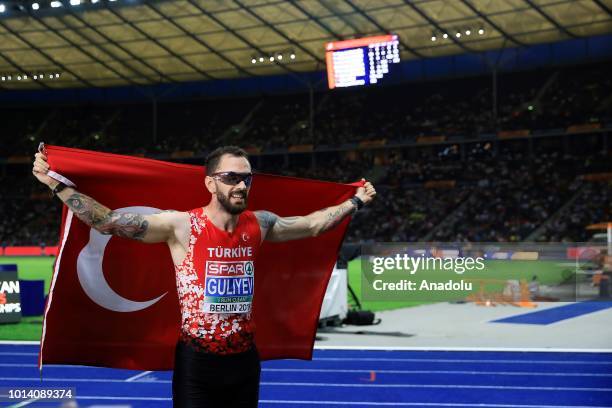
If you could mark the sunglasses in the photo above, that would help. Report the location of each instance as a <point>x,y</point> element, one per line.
<point>232,178</point>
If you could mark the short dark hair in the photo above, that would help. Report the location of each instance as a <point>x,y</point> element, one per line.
<point>214,157</point>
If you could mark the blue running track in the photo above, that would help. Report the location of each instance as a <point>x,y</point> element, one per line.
<point>355,378</point>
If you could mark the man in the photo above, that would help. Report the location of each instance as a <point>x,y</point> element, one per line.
<point>213,249</point>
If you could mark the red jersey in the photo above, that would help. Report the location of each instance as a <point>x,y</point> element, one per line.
<point>215,284</point>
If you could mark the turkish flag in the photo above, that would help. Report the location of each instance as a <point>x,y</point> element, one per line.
<point>113,301</point>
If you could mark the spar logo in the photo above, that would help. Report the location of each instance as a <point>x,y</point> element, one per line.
<point>229,268</point>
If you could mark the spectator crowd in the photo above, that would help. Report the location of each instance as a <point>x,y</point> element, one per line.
<point>489,191</point>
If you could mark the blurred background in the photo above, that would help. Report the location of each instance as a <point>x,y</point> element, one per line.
<point>477,121</point>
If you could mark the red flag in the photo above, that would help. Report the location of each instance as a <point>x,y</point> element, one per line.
<point>113,301</point>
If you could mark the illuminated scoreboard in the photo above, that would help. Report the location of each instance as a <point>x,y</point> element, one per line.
<point>361,61</point>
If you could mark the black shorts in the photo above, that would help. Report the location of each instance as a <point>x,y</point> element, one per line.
<point>211,380</point>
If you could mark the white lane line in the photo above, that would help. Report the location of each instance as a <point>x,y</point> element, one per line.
<point>422,404</point>
<point>413,348</point>
<point>95,397</point>
<point>349,385</point>
<point>361,403</point>
<point>448,360</point>
<point>366,371</point>
<point>352,403</point>
<point>451,360</point>
<point>494,349</point>
<point>315,370</point>
<point>137,376</point>
<point>458,386</point>
<point>24,403</point>
<point>2,353</point>
<point>375,359</point>
<point>54,366</point>
<point>521,373</point>
<point>18,365</point>
<point>85,380</point>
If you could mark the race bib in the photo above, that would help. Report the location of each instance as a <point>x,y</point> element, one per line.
<point>228,287</point>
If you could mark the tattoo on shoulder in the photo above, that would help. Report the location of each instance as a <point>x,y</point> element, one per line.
<point>94,214</point>
<point>127,225</point>
<point>266,219</point>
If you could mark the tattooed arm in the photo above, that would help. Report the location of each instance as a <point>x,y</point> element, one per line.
<point>150,228</point>
<point>161,227</point>
<point>275,228</point>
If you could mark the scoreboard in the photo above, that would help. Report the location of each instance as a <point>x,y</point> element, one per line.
<point>362,61</point>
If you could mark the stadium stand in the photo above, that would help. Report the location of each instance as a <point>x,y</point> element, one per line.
<point>437,180</point>
<point>531,101</point>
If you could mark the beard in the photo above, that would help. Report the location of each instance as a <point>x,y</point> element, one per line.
<point>227,204</point>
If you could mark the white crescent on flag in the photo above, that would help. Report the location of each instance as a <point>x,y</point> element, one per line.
<point>91,275</point>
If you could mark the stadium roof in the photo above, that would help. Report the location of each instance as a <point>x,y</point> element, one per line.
<point>132,42</point>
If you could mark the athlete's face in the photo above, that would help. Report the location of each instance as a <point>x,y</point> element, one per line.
<point>232,196</point>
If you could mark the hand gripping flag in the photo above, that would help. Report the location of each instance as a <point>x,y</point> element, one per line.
<point>113,301</point>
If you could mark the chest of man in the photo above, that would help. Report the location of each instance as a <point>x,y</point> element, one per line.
<point>225,266</point>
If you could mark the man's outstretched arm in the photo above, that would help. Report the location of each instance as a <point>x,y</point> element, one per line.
<point>146,228</point>
<point>275,228</point>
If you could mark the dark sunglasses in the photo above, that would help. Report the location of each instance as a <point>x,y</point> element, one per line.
<point>232,178</point>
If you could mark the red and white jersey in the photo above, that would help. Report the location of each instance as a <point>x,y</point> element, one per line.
<point>215,284</point>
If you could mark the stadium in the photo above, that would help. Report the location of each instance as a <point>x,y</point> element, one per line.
<point>477,274</point>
